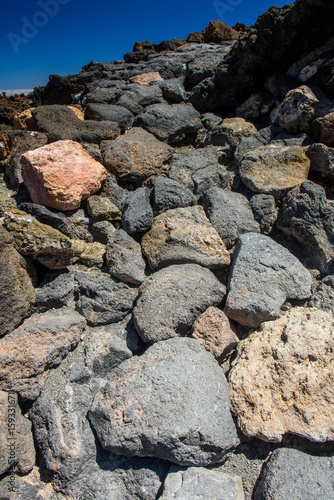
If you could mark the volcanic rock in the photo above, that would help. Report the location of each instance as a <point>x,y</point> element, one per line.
<point>138,214</point>
<point>169,194</point>
<point>124,258</point>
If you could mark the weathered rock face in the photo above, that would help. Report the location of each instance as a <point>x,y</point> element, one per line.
<point>109,112</point>
<point>40,241</point>
<point>184,235</point>
<point>172,299</point>
<point>322,159</point>
<point>40,343</point>
<point>230,214</point>
<point>61,175</point>
<point>264,274</point>
<point>274,169</point>
<point>323,129</point>
<point>55,291</point>
<point>138,214</point>
<point>16,441</point>
<point>61,123</point>
<point>217,32</point>
<point>324,296</point>
<point>282,380</point>
<point>291,473</point>
<point>265,211</point>
<point>124,258</point>
<point>169,194</point>
<point>161,414</point>
<point>197,482</point>
<point>213,330</point>
<point>309,217</point>
<point>16,290</point>
<point>146,78</point>
<point>136,156</point>
<point>101,208</point>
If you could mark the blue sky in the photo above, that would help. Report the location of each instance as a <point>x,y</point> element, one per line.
<point>42,37</point>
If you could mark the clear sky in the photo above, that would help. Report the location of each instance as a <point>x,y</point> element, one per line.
<point>42,37</point>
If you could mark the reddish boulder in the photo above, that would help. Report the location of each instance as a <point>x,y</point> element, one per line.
<point>61,175</point>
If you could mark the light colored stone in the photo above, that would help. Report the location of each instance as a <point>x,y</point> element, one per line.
<point>101,208</point>
<point>274,169</point>
<point>238,127</point>
<point>146,78</point>
<point>323,129</point>
<point>62,174</point>
<point>213,330</point>
<point>136,156</point>
<point>184,235</point>
<point>24,120</point>
<point>283,378</point>
<point>88,254</point>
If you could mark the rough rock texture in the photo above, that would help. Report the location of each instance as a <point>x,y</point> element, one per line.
<point>274,169</point>
<point>217,32</point>
<point>170,123</point>
<point>213,330</point>
<point>55,291</point>
<point>146,78</point>
<point>197,483</point>
<point>61,123</point>
<point>324,295</point>
<point>264,274</point>
<point>124,258</point>
<point>291,473</point>
<point>109,112</point>
<point>16,290</point>
<point>61,175</point>
<point>323,129</point>
<point>105,300</point>
<point>28,486</point>
<point>230,214</point>
<point>148,406</point>
<point>40,241</point>
<point>169,194</point>
<point>282,379</point>
<point>322,159</point>
<point>172,299</point>
<point>137,212</point>
<point>265,211</point>
<point>101,208</point>
<point>136,156</point>
<point>16,441</point>
<point>309,217</point>
<point>88,254</point>
<point>184,235</point>
<point>40,343</point>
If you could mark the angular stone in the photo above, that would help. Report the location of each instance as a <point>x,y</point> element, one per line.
<point>28,486</point>
<point>169,194</point>
<point>137,97</point>
<point>217,32</point>
<point>146,78</point>
<point>264,274</point>
<point>264,210</point>
<point>109,112</point>
<point>16,442</point>
<point>40,343</point>
<point>309,217</point>
<point>230,214</point>
<point>136,156</point>
<point>322,159</point>
<point>197,482</point>
<point>61,123</point>
<point>88,254</point>
<point>43,243</point>
<point>55,291</point>
<point>61,175</point>
<point>184,235</point>
<point>324,296</point>
<point>173,91</point>
<point>101,208</point>
<point>170,123</point>
<point>102,231</point>
<point>16,290</point>
<point>124,258</point>
<point>24,120</point>
<point>137,212</point>
<point>213,330</point>
<point>274,169</point>
<point>282,379</point>
<point>294,474</point>
<point>172,299</point>
<point>105,300</point>
<point>299,108</point>
<point>113,191</point>
<point>148,406</point>
<point>323,129</point>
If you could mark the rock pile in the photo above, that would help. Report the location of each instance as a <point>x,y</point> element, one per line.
<point>167,271</point>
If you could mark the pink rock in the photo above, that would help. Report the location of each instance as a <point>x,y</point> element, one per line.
<point>213,330</point>
<point>62,174</point>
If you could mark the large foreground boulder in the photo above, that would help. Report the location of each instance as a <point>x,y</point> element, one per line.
<point>282,379</point>
<point>161,413</point>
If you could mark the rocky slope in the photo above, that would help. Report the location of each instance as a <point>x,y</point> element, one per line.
<point>167,264</point>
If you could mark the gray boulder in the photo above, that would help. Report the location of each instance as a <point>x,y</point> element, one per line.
<point>55,291</point>
<point>309,217</point>
<point>169,194</point>
<point>264,274</point>
<point>110,112</point>
<point>230,214</point>
<point>137,212</point>
<point>102,231</point>
<point>264,210</point>
<point>293,474</point>
<point>170,123</point>
<point>322,159</point>
<point>324,296</point>
<point>172,299</point>
<point>173,91</point>
<point>162,415</point>
<point>124,258</point>
<point>137,97</point>
<point>105,300</point>
<point>197,483</point>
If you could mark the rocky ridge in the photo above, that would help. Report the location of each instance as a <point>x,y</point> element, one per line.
<point>167,257</point>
